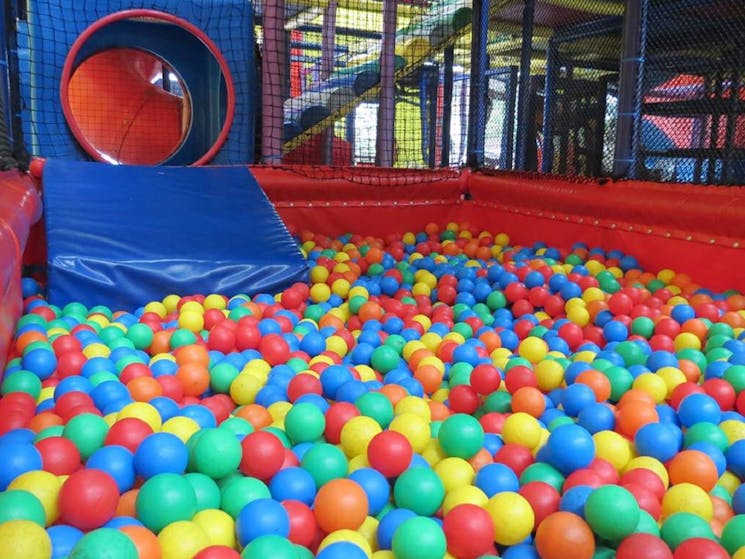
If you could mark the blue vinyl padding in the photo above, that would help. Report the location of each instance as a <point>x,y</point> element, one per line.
<point>125,235</point>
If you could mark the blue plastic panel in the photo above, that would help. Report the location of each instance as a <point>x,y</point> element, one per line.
<point>125,235</point>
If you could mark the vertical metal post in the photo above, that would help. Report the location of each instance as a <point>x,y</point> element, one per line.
<point>478,83</point>
<point>447,102</point>
<point>524,117</point>
<point>328,38</point>
<point>384,156</point>
<point>630,90</point>
<point>273,77</point>
<point>549,105</point>
<point>508,141</point>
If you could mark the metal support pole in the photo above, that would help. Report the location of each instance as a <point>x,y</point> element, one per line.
<point>524,117</point>
<point>447,103</point>
<point>478,84</point>
<point>549,105</point>
<point>384,156</point>
<point>328,38</point>
<point>273,77</point>
<point>631,78</point>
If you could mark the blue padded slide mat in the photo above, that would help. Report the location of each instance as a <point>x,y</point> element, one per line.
<point>124,235</point>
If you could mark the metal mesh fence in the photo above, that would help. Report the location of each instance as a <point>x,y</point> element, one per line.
<point>626,88</point>
<point>559,63</point>
<point>693,117</point>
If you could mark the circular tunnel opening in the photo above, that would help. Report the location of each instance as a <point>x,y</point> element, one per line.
<point>142,87</point>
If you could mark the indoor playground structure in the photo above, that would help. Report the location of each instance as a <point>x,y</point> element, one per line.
<point>372,279</point>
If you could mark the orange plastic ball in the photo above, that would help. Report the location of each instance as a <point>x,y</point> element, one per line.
<point>147,543</point>
<point>693,466</point>
<point>341,504</point>
<point>563,535</point>
<point>529,400</point>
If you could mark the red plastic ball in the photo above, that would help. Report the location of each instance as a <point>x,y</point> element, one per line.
<point>700,548</point>
<point>647,500</point>
<point>682,390</point>
<point>173,388</point>
<point>519,376</point>
<point>70,363</point>
<point>303,526</point>
<point>645,478</point>
<point>337,416</point>
<point>59,455</point>
<point>390,453</point>
<point>218,552</point>
<point>722,391</point>
<point>221,338</point>
<point>584,476</point>
<point>88,499</point>
<point>485,378</point>
<point>643,545</point>
<point>516,456</point>
<point>493,422</point>
<point>263,455</point>
<point>128,432</point>
<point>469,531</point>
<point>605,470</point>
<point>543,498</point>
<point>302,384</point>
<point>463,399</point>
<point>274,349</point>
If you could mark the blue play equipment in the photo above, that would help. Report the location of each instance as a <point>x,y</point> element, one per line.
<point>49,32</point>
<point>121,235</point>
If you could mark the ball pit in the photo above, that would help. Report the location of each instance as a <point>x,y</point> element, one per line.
<point>429,395</point>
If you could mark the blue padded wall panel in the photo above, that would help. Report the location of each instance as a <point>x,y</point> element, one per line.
<point>123,236</point>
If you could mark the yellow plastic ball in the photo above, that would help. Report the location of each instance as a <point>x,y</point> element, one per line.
<point>729,481</point>
<point>586,356</point>
<point>369,531</point>
<point>467,494</point>
<point>258,367</point>
<point>574,302</point>
<point>549,374</point>
<point>666,275</point>
<point>358,462</point>
<point>170,302</point>
<point>44,486</point>
<point>433,452</point>
<point>218,525</point>
<point>244,388</point>
<point>672,377</point>
<point>686,340</point>
<point>454,472</point>
<point>350,536</point>
<point>733,429</point>
<point>96,350</point>
<point>653,385</point>
<point>144,411</point>
<point>500,356</point>
<point>215,301</point>
<point>359,291</point>
<point>422,319</point>
<point>421,288</point>
<point>533,349</point>
<point>337,345</point>
<point>357,434</point>
<point>523,429</point>
<point>614,448</point>
<point>182,540</point>
<point>383,554</point>
<point>431,341</point>
<point>415,405</point>
<point>366,372</point>
<point>23,539</point>
<point>512,516</point>
<point>414,428</point>
<point>319,274</point>
<point>191,306</point>
<point>340,287</point>
<point>278,411</point>
<point>181,426</point>
<point>410,347</point>
<point>156,307</point>
<point>579,316</point>
<point>687,497</point>
<point>191,320</point>
<point>320,293</point>
<point>47,393</point>
<point>434,361</point>
<point>440,395</point>
<point>652,464</point>
<point>740,553</point>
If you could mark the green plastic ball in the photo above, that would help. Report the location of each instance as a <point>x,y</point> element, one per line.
<point>499,401</point>
<point>733,534</point>
<point>105,543</point>
<point>182,337</point>
<point>238,491</point>
<point>647,524</point>
<point>612,512</point>
<point>377,406</point>
<point>205,489</point>
<point>163,499</point>
<point>304,422</point>
<point>419,538</point>
<point>221,377</point>
<point>384,359</point>
<point>237,425</point>
<point>540,471</point>
<point>643,326</point>
<point>21,381</point>
<point>87,431</point>
<point>681,526</point>
<point>735,375</point>
<point>706,432</point>
<point>216,454</point>
<point>17,504</point>
<point>620,381</point>
<point>461,435</point>
<point>419,489</point>
<point>324,462</point>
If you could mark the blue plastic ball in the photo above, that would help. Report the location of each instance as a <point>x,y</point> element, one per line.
<point>496,478</point>
<point>571,448</point>
<point>294,484</point>
<point>699,407</point>
<point>576,397</point>
<point>17,458</point>
<point>161,453</point>
<point>389,524</point>
<point>596,417</point>
<point>573,500</point>
<point>63,538</point>
<point>658,440</point>
<point>261,517</point>
<point>376,488</point>
<point>116,461</point>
